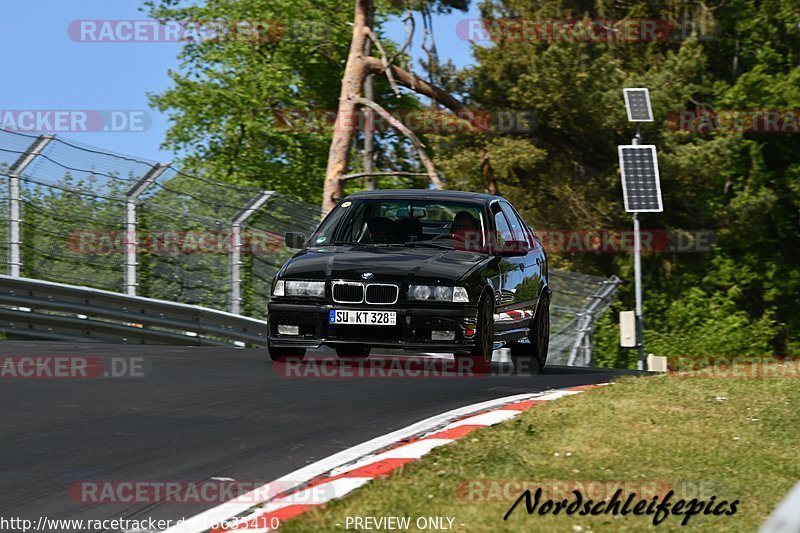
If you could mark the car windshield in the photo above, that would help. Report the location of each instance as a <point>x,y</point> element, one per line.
<point>397,222</point>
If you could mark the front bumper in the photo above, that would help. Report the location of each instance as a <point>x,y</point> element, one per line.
<point>412,332</point>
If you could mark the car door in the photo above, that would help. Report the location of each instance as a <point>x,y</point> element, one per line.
<point>526,284</point>
<point>512,276</point>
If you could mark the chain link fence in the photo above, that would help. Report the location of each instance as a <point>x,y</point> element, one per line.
<point>75,228</point>
<point>94,218</point>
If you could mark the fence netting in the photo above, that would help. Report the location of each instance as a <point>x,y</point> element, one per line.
<point>74,198</point>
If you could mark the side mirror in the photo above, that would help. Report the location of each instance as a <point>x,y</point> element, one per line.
<point>295,240</point>
<point>513,249</point>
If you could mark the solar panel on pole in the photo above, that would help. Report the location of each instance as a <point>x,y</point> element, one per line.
<point>641,185</point>
<point>637,104</point>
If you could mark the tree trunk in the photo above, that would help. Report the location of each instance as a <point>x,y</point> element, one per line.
<point>344,128</point>
<point>359,65</point>
<point>488,173</point>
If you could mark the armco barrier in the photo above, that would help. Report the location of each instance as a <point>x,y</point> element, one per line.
<point>43,309</point>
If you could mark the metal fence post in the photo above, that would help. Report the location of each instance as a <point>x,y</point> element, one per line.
<point>584,341</point>
<point>131,239</point>
<point>236,247</point>
<point>14,201</point>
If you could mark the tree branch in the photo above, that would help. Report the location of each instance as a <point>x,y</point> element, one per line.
<point>399,126</point>
<point>406,79</point>
<point>384,58</point>
<point>410,25</point>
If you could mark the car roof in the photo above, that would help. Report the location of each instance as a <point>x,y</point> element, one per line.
<point>425,194</point>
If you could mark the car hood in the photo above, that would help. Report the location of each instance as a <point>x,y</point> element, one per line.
<point>385,263</point>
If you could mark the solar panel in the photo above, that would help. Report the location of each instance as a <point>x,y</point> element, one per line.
<point>637,104</point>
<point>641,186</point>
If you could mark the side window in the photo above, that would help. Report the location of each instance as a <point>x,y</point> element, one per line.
<point>517,227</point>
<point>525,227</point>
<point>503,229</point>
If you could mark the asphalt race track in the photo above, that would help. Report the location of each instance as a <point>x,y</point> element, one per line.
<point>200,413</point>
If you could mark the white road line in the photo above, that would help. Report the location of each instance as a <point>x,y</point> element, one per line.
<point>202,521</point>
<point>485,419</point>
<point>555,395</point>
<point>415,450</point>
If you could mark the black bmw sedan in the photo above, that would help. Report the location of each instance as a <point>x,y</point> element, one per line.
<point>425,271</point>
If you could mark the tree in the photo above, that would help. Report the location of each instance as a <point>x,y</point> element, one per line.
<point>743,186</point>
<point>250,107</point>
<point>359,66</point>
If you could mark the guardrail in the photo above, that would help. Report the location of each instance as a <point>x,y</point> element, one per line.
<point>132,236</point>
<point>44,309</point>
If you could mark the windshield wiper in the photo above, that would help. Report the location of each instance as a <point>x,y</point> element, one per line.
<point>429,244</point>
<point>340,243</point>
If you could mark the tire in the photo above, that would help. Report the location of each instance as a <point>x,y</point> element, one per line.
<point>281,355</point>
<point>480,357</point>
<point>531,357</point>
<point>353,352</point>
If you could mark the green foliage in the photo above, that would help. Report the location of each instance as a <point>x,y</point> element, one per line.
<point>260,111</point>
<point>744,187</point>
<point>228,96</point>
<point>711,324</point>
<point>699,324</point>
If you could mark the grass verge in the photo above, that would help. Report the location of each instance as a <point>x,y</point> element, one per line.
<point>732,439</point>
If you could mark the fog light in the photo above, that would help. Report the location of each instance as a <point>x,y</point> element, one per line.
<point>289,330</point>
<point>443,335</point>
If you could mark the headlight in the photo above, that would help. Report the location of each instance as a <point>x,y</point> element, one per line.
<point>419,292</point>
<point>438,294</point>
<point>460,295</point>
<point>312,289</point>
<point>279,289</point>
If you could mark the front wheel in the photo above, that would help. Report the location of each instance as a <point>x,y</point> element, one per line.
<point>480,357</point>
<point>531,357</point>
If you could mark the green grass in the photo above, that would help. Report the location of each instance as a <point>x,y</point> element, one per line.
<point>735,439</point>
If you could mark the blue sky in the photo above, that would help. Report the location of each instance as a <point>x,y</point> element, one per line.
<point>46,70</point>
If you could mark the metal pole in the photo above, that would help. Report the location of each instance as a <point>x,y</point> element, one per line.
<point>236,268</point>
<point>235,257</point>
<point>131,239</point>
<point>14,202</point>
<point>637,273</point>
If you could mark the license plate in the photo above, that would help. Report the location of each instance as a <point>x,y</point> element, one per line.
<point>363,318</point>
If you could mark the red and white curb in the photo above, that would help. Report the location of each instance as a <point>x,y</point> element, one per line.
<point>343,472</point>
